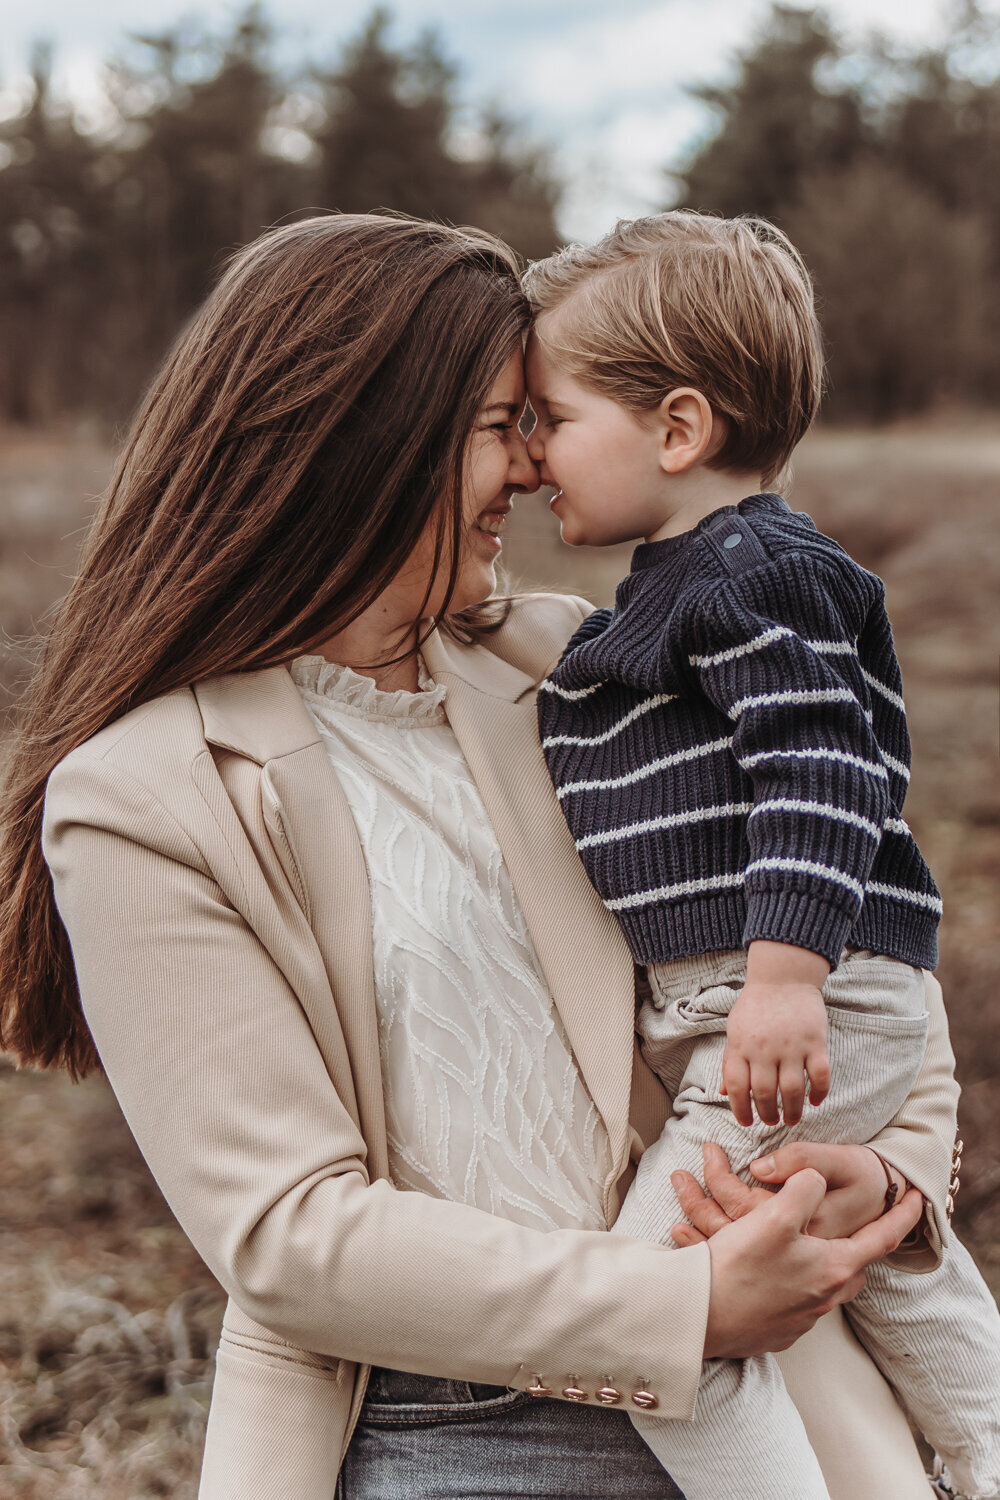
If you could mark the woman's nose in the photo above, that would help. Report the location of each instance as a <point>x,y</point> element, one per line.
<point>522,472</point>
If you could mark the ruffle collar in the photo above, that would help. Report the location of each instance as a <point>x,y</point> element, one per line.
<point>352,693</point>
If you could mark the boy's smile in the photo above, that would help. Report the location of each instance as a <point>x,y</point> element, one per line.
<point>602,459</point>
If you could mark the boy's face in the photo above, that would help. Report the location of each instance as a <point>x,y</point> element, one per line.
<point>603,460</point>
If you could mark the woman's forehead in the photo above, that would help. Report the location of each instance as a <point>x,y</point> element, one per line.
<point>508,388</point>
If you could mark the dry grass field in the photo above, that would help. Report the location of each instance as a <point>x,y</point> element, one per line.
<point>108,1318</point>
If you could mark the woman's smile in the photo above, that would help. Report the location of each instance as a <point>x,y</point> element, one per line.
<point>490,526</point>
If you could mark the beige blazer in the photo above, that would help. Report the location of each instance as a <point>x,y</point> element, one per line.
<point>210,877</point>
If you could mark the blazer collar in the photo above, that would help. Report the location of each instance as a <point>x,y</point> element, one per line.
<point>261,715</point>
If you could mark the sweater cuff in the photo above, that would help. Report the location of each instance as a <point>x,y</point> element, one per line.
<point>800,918</point>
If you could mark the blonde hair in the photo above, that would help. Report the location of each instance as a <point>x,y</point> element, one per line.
<point>688,299</point>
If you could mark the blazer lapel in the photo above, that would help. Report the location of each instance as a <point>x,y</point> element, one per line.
<point>313,834</point>
<point>585,960</point>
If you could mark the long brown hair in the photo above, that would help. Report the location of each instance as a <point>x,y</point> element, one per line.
<point>309,424</point>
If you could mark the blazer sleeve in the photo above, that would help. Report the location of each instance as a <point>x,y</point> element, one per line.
<point>226,1091</point>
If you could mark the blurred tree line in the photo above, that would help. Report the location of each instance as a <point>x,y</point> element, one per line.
<point>884,168</point>
<point>110,236</point>
<point>883,165</point>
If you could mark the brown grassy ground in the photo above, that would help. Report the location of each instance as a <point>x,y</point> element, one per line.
<point>108,1318</point>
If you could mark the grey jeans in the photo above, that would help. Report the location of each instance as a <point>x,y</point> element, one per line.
<point>420,1438</point>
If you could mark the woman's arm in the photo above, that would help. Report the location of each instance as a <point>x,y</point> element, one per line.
<point>234,1106</point>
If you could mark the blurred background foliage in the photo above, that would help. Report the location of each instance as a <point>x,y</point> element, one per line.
<point>883,164</point>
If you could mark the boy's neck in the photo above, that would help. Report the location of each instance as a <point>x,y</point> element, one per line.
<point>697,493</point>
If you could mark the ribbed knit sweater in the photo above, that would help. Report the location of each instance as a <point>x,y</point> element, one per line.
<point>729,747</point>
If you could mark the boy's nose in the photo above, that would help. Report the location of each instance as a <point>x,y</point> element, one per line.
<point>536,447</point>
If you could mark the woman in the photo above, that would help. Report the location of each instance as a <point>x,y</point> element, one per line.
<point>325,461</point>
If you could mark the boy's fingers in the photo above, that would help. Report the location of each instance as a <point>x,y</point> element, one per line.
<point>818,1068</point>
<point>882,1236</point>
<point>736,1077</point>
<point>764,1081</point>
<point>791,1082</point>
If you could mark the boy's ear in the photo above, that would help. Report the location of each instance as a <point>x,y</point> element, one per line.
<point>686,425</point>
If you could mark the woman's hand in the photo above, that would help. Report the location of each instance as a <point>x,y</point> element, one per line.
<point>855,1179</point>
<point>771,1280</point>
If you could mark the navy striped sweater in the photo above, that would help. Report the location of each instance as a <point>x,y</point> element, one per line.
<point>729,748</point>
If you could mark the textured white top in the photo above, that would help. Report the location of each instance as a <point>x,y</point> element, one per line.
<point>484,1101</point>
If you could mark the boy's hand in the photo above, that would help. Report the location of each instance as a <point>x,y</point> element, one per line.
<point>776,1035</point>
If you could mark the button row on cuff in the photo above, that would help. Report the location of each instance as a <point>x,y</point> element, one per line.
<point>956,1181</point>
<point>607,1395</point>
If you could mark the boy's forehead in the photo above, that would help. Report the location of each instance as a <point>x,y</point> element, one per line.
<point>543,373</point>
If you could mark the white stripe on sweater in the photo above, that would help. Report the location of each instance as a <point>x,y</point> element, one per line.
<point>668,892</point>
<point>820,809</point>
<point>832,648</point>
<point>643,771</point>
<point>670,820</point>
<point>570,694</point>
<point>757,644</point>
<point>818,695</point>
<point>808,867</point>
<point>886,692</point>
<point>840,756</point>
<point>896,825</point>
<point>900,893</point>
<point>600,739</point>
<point>895,765</point>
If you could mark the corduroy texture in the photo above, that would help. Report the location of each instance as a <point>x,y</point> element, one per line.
<point>935,1337</point>
<point>730,750</point>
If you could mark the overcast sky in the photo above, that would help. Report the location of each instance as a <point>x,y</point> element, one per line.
<point>607,92</point>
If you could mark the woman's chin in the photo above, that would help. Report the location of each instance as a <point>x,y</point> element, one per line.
<point>474,587</point>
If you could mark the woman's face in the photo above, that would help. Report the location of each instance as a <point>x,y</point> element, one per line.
<point>497,467</point>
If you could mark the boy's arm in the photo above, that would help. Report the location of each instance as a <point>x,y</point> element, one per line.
<point>774,650</point>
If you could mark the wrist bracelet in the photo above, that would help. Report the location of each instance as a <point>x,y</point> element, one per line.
<point>892,1191</point>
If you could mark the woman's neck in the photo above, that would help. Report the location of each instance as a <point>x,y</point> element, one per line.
<point>373,638</point>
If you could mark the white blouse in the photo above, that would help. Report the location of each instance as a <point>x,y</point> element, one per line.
<point>484,1101</point>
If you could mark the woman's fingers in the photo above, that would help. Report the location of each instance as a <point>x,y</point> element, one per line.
<point>729,1191</point>
<point>883,1235</point>
<point>703,1211</point>
<point>787,1160</point>
<point>684,1235</point>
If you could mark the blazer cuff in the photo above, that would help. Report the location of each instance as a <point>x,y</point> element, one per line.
<point>674,1310</point>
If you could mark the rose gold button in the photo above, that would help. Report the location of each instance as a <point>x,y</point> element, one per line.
<point>574,1393</point>
<point>645,1400</point>
<point>537,1388</point>
<point>608,1395</point>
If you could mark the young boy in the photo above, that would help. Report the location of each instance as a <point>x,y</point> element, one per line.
<point>730,750</point>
